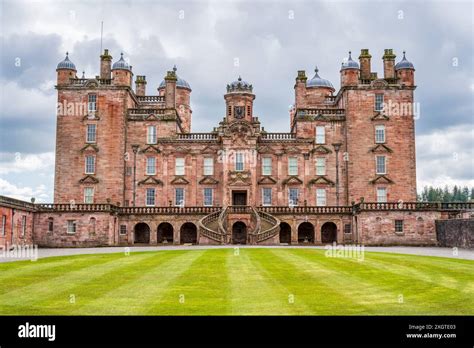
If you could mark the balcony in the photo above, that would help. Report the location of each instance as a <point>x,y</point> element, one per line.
<point>278,136</point>
<point>151,99</point>
<point>197,136</point>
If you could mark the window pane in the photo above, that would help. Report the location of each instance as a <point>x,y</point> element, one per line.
<point>179,169</point>
<point>381,195</point>
<point>92,102</point>
<point>320,197</point>
<point>378,102</point>
<point>380,134</point>
<point>150,197</point>
<point>150,166</point>
<point>293,166</point>
<point>267,166</point>
<point>90,164</point>
<point>320,166</point>
<point>380,164</point>
<point>88,195</point>
<point>320,135</point>
<point>266,196</point>
<point>293,196</point>
<point>239,161</point>
<point>91,133</point>
<point>179,197</point>
<point>208,166</point>
<point>151,135</point>
<point>208,196</point>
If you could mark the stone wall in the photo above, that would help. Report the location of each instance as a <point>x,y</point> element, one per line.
<point>455,233</point>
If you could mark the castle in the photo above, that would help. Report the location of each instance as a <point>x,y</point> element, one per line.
<point>129,170</point>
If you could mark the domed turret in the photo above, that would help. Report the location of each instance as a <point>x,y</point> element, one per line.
<point>405,72</point>
<point>239,86</point>
<point>317,81</point>
<point>121,64</point>
<point>404,64</point>
<point>66,70</point>
<point>349,63</point>
<point>66,64</point>
<point>180,83</point>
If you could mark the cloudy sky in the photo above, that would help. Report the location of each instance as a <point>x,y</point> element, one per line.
<point>212,43</point>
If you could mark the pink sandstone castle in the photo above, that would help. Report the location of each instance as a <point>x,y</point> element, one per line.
<point>129,170</point>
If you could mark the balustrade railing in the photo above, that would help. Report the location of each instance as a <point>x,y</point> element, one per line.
<point>73,207</point>
<point>240,209</point>
<point>208,232</point>
<point>167,210</point>
<point>278,136</point>
<point>272,231</point>
<point>142,111</point>
<point>82,81</point>
<point>151,98</point>
<point>328,111</point>
<point>307,209</point>
<point>197,136</point>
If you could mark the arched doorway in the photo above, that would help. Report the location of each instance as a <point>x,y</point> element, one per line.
<point>142,233</point>
<point>329,232</point>
<point>188,233</point>
<point>165,233</point>
<point>285,233</point>
<point>306,233</point>
<point>239,233</point>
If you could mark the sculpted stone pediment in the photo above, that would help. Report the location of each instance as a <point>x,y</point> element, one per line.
<point>379,116</point>
<point>89,179</point>
<point>208,180</point>
<point>321,150</point>
<point>267,180</point>
<point>292,180</point>
<point>239,178</point>
<point>179,180</point>
<point>90,148</point>
<point>265,149</point>
<point>292,150</point>
<point>381,148</point>
<point>379,83</point>
<point>210,150</point>
<point>151,180</point>
<point>151,117</point>
<point>321,180</point>
<point>381,179</point>
<point>151,148</point>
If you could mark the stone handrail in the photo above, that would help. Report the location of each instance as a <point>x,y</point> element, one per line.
<point>74,207</point>
<point>255,218</point>
<point>151,98</point>
<point>306,210</point>
<point>222,221</point>
<point>207,232</point>
<point>16,202</point>
<point>197,136</point>
<point>416,206</point>
<point>328,111</point>
<point>272,231</point>
<point>167,210</point>
<point>240,209</point>
<point>278,136</point>
<point>140,111</point>
<point>82,81</point>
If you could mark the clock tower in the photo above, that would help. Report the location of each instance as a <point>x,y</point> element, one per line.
<point>239,101</point>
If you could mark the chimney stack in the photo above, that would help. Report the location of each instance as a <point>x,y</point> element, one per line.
<point>140,85</point>
<point>170,89</point>
<point>105,65</point>
<point>364,60</point>
<point>389,64</point>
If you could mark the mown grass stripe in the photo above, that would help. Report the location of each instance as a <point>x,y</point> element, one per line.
<point>201,288</point>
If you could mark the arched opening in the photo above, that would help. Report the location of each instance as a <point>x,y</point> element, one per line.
<point>329,232</point>
<point>188,233</point>
<point>285,233</point>
<point>306,233</point>
<point>92,223</point>
<point>165,233</point>
<point>142,233</point>
<point>420,226</point>
<point>239,233</point>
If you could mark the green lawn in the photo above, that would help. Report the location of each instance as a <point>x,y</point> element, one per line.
<point>256,281</point>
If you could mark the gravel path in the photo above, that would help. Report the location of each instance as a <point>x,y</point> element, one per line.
<point>466,254</point>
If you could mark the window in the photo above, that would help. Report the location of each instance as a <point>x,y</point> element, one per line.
<point>150,197</point>
<point>320,166</point>
<point>179,197</point>
<point>380,165</point>
<point>50,225</point>
<point>179,166</point>
<point>347,228</point>
<point>399,226</point>
<point>150,166</point>
<point>378,102</point>
<point>4,225</point>
<point>90,164</point>
<point>92,223</point>
<point>380,134</point>
<point>23,225</point>
<point>320,135</point>
<point>128,171</point>
<point>239,161</point>
<point>249,110</point>
<point>208,197</point>
<point>208,166</point>
<point>381,195</point>
<point>151,135</point>
<point>71,226</point>
<point>229,110</point>
<point>266,196</point>
<point>88,195</point>
<point>123,230</point>
<point>293,166</point>
<point>266,166</point>
<point>92,102</point>
<point>293,196</point>
<point>91,133</point>
<point>320,197</point>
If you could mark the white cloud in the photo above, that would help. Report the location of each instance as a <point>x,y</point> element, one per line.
<point>19,163</point>
<point>24,193</point>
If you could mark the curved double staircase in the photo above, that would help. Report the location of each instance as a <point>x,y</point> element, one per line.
<point>215,225</point>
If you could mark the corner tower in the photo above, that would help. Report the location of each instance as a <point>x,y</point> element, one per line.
<point>239,101</point>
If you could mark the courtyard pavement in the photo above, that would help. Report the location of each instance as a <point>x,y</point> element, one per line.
<point>466,254</point>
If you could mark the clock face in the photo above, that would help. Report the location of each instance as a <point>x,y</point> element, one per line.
<point>239,111</point>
